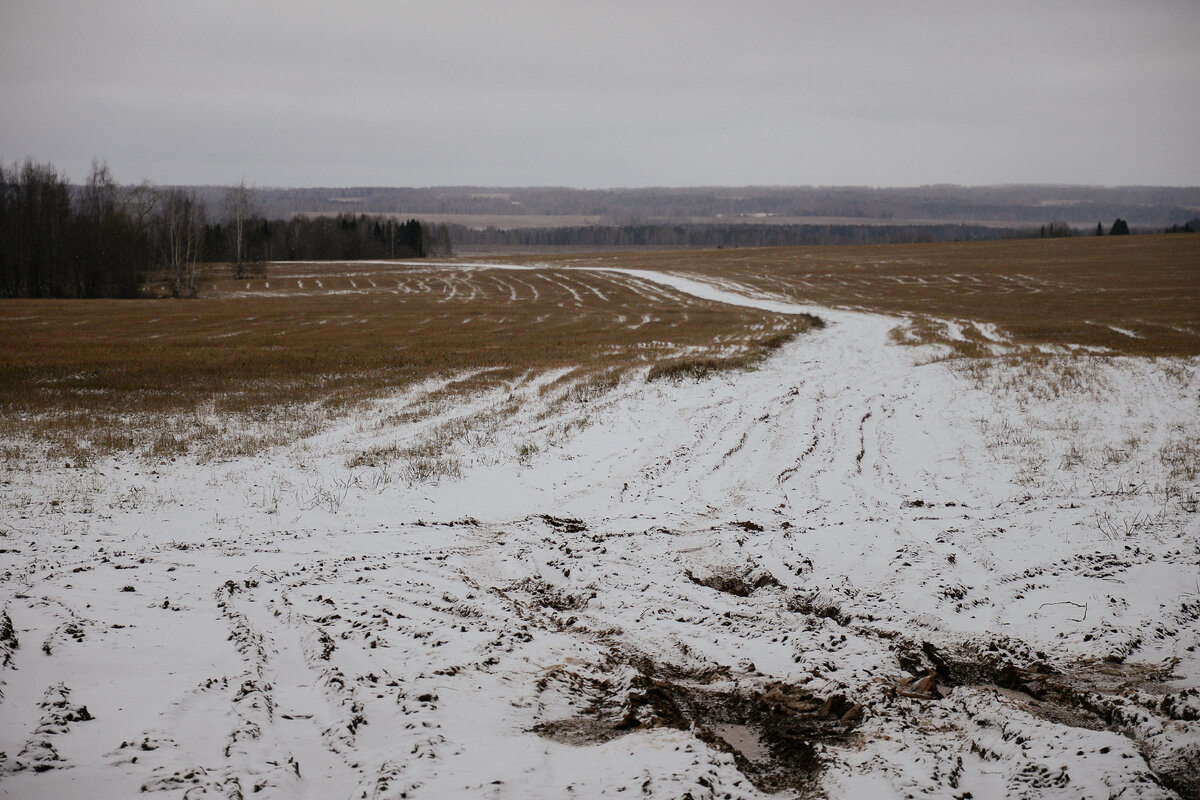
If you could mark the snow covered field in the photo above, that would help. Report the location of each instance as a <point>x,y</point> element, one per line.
<point>861,570</point>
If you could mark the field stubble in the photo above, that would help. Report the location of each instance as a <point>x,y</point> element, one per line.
<point>256,363</point>
<point>1135,295</point>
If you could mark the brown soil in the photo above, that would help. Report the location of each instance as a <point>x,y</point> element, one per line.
<point>775,733</point>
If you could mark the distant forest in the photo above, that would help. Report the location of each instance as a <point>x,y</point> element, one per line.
<point>479,218</point>
<point>1017,206</point>
<point>711,235</point>
<point>344,237</point>
<point>102,239</point>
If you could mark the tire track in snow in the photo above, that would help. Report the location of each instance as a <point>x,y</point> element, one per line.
<point>821,455</point>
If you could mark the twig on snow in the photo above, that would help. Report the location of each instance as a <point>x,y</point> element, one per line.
<point>1067,603</point>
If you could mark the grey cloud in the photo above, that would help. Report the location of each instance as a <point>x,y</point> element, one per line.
<point>620,93</point>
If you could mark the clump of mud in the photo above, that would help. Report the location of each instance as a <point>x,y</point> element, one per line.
<point>1135,700</point>
<point>775,733</point>
<point>564,524</point>
<point>8,640</point>
<point>740,584</point>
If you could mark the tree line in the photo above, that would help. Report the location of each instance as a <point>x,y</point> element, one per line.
<point>1061,230</point>
<point>248,244</point>
<point>102,239</point>
<point>56,242</point>
<point>709,235</point>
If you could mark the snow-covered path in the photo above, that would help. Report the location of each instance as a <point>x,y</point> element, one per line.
<point>843,572</point>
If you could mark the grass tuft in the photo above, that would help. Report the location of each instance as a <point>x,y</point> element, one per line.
<point>699,368</point>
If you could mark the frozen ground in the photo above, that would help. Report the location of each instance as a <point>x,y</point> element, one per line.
<point>859,571</point>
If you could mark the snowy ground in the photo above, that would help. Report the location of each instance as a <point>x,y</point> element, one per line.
<point>859,571</point>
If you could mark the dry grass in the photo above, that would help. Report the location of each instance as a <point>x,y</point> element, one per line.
<point>255,363</point>
<point>1038,291</point>
<point>748,357</point>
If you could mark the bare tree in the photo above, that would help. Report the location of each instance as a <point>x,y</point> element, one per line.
<point>34,223</point>
<point>438,244</point>
<point>241,209</point>
<point>140,202</point>
<point>109,251</point>
<point>179,238</point>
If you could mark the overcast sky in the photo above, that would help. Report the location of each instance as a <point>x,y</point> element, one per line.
<point>605,94</point>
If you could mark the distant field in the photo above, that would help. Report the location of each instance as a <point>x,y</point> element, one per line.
<point>1135,294</point>
<point>313,340</point>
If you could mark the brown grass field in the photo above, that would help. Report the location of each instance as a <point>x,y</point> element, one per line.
<point>254,362</point>
<point>1039,291</point>
<point>163,377</point>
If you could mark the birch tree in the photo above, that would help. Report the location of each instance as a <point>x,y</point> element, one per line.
<point>242,210</point>
<point>180,239</point>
